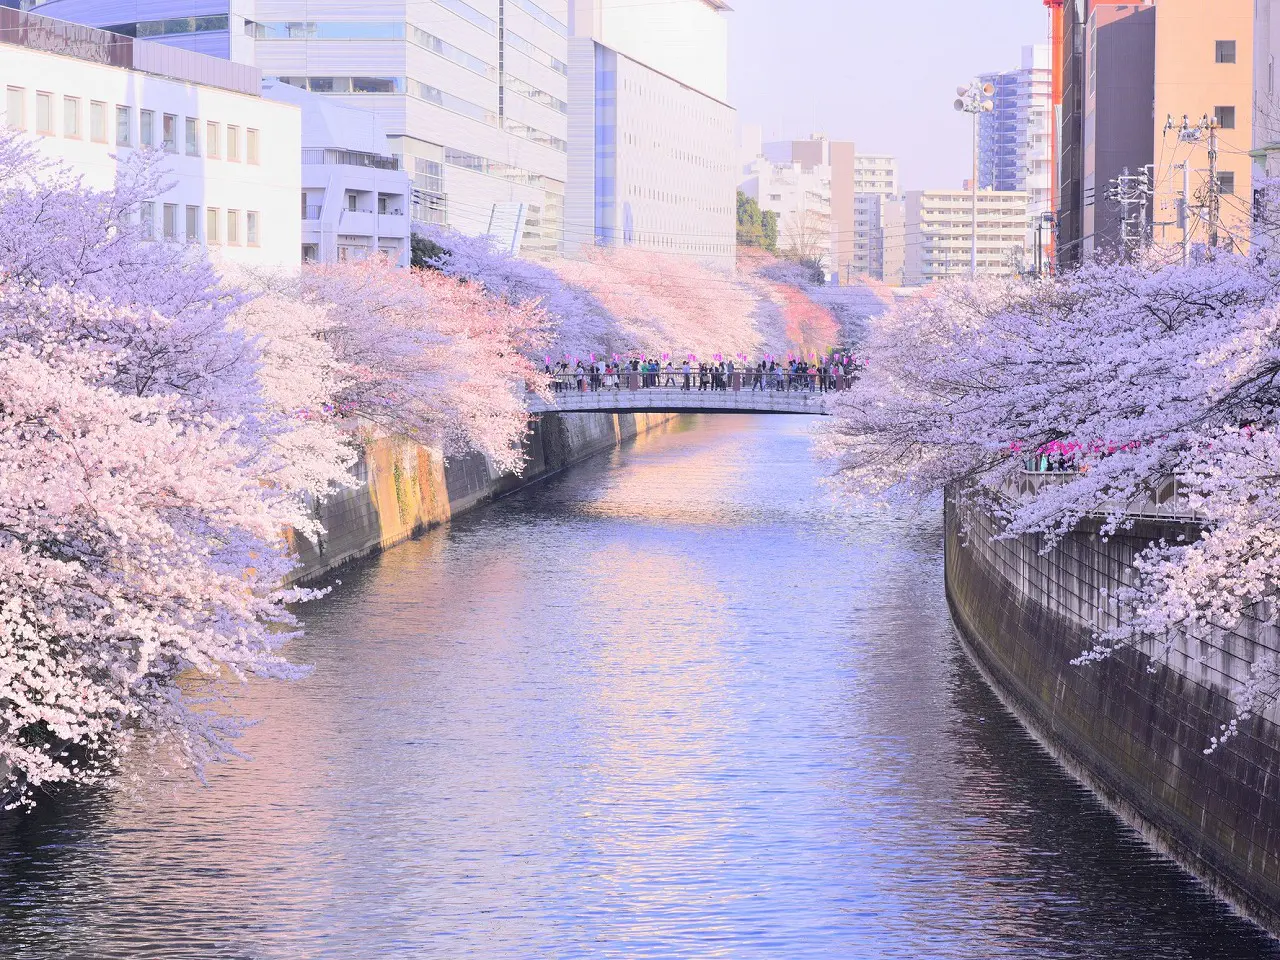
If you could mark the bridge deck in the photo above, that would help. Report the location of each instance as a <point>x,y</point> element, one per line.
<point>667,400</point>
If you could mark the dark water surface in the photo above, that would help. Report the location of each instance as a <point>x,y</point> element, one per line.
<point>670,704</point>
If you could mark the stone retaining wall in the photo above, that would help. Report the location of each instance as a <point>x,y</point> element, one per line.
<point>405,488</point>
<point>1132,729</point>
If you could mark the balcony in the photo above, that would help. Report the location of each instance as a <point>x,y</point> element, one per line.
<point>366,223</point>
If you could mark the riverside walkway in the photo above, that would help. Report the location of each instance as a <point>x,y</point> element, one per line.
<point>787,395</point>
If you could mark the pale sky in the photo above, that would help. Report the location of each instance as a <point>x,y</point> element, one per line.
<point>881,73</point>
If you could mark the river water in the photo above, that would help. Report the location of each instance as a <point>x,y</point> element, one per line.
<point>672,703</point>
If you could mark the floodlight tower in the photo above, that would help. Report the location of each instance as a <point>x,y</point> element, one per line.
<point>975,100</point>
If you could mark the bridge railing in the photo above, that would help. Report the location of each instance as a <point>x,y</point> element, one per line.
<point>750,380</point>
<point>1167,501</point>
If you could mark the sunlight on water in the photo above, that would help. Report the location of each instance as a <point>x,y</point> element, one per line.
<point>673,703</point>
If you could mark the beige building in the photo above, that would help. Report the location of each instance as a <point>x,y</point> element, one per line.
<point>1204,69</point>
<point>939,226</point>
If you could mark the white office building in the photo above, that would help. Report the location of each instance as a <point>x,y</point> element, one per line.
<point>651,136</point>
<point>355,197</point>
<point>472,94</point>
<point>939,225</point>
<point>232,156</point>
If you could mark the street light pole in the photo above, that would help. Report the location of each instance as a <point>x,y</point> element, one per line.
<point>974,99</point>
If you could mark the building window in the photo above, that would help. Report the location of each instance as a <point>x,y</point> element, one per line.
<point>44,113</point>
<point>193,224</point>
<point>1224,51</point>
<point>1225,117</point>
<point>351,202</point>
<point>251,227</point>
<point>1226,182</point>
<point>147,219</point>
<point>13,108</point>
<point>97,121</point>
<point>211,140</point>
<point>122,126</point>
<point>211,225</point>
<point>233,227</point>
<point>171,221</point>
<point>233,143</point>
<point>71,117</point>
<point>170,133</point>
<point>251,145</point>
<point>147,128</point>
<point>193,137</point>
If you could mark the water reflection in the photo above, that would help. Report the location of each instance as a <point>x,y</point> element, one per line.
<point>670,704</point>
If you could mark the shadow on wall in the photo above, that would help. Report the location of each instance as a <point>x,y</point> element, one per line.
<point>406,488</point>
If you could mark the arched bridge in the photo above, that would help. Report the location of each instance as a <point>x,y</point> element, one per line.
<point>664,394</point>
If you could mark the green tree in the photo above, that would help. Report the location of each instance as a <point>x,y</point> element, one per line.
<point>750,222</point>
<point>425,254</point>
<point>769,227</point>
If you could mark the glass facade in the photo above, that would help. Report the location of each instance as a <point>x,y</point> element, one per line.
<point>606,146</point>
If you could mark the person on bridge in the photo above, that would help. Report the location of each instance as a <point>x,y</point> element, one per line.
<point>671,375</point>
<point>686,369</point>
<point>704,376</point>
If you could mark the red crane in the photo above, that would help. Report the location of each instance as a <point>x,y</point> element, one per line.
<point>1055,58</point>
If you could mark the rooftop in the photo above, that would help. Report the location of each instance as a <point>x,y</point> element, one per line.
<point>48,35</point>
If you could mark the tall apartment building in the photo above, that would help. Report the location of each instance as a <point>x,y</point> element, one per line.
<point>472,93</point>
<point>877,202</point>
<point>92,97</point>
<point>939,226</point>
<point>1014,139</point>
<point>652,157</point>
<point>1136,66</point>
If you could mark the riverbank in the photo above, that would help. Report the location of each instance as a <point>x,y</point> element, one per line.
<point>406,488</point>
<point>1132,728</point>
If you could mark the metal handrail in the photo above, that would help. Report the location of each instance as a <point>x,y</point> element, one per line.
<point>675,379</point>
<point>1166,502</point>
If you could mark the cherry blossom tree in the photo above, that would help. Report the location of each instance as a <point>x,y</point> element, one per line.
<point>577,322</point>
<point>672,304</point>
<point>1132,374</point>
<point>136,545</point>
<point>428,357</point>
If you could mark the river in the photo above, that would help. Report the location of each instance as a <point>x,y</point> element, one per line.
<point>671,703</point>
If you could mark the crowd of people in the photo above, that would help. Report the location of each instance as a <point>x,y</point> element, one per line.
<point>816,375</point>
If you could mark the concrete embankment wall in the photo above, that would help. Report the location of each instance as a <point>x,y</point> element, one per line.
<point>405,488</point>
<point>1132,728</point>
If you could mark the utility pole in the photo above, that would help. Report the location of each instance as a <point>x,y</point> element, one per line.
<point>1205,130</point>
<point>1130,191</point>
<point>1215,192</point>
<point>974,100</point>
<point>1184,213</point>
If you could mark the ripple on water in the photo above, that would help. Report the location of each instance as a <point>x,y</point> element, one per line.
<point>672,703</point>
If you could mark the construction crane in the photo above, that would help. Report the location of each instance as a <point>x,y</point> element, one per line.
<point>1055,111</point>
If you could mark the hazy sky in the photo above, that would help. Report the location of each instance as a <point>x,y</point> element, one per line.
<point>881,73</point>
